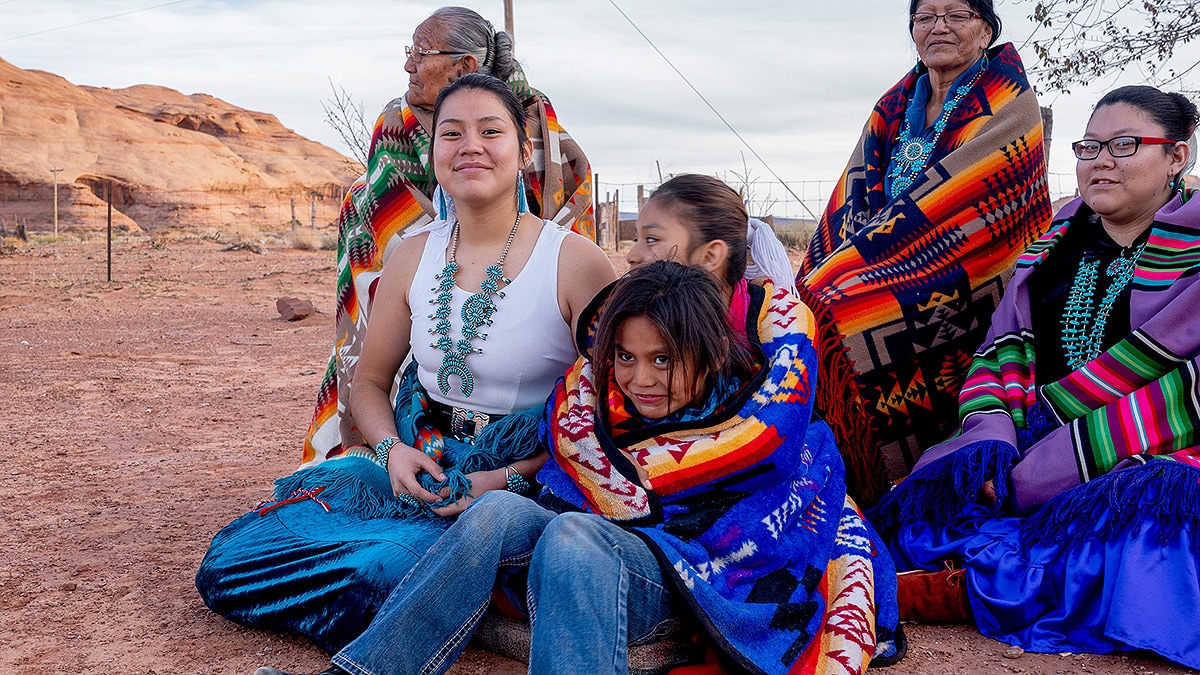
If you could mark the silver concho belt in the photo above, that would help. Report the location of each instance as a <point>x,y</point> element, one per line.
<point>461,424</point>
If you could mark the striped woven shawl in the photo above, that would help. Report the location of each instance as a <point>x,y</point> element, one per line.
<point>1140,399</point>
<point>902,289</point>
<point>393,195</point>
<point>745,508</point>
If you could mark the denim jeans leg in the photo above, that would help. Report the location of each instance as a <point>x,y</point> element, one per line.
<point>594,589</point>
<point>430,616</point>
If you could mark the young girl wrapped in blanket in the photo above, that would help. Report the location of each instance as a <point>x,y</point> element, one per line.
<point>686,484</point>
<point>698,491</point>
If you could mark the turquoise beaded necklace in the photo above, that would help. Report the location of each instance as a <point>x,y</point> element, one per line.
<point>476,311</point>
<point>1082,335</point>
<point>912,153</point>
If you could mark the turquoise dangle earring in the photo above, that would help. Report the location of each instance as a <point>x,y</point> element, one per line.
<point>522,201</point>
<point>442,209</point>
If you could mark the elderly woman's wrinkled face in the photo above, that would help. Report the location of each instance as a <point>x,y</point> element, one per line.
<point>429,74</point>
<point>949,46</point>
<point>1123,189</point>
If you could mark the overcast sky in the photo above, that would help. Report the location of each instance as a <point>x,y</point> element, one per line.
<point>796,78</point>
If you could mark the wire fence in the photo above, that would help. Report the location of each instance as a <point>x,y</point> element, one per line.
<point>765,197</point>
<point>84,204</point>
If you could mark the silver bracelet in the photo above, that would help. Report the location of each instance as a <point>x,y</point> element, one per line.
<point>515,482</point>
<point>383,448</point>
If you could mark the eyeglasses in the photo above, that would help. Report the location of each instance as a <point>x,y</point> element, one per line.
<point>1119,146</point>
<point>956,19</point>
<point>417,54</point>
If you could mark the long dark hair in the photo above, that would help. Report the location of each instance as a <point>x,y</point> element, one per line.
<point>464,30</point>
<point>713,211</point>
<point>1172,111</point>
<point>686,306</point>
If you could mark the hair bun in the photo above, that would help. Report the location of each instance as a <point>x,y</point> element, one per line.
<point>1188,109</point>
<point>503,60</point>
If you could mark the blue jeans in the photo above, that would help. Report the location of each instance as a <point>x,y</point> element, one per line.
<point>593,589</point>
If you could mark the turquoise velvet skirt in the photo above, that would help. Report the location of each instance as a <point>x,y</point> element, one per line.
<point>1112,565</point>
<point>300,569</point>
<point>296,567</point>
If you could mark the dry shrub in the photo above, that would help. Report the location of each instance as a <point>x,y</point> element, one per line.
<point>68,235</point>
<point>10,245</point>
<point>313,241</point>
<point>233,233</point>
<point>243,233</point>
<point>166,235</point>
<point>94,235</point>
<point>797,237</point>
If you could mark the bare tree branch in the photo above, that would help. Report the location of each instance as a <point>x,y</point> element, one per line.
<point>349,119</point>
<point>1078,41</point>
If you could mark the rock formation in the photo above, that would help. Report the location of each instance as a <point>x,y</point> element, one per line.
<point>172,160</point>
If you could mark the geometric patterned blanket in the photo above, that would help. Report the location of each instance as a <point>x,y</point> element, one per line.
<point>903,288</point>
<point>394,195</point>
<point>746,508</point>
<point>1138,400</point>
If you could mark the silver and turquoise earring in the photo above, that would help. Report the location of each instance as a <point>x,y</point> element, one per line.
<point>522,201</point>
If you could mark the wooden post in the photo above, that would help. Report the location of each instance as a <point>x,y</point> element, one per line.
<point>1047,130</point>
<point>596,208</point>
<point>614,222</point>
<point>604,227</point>
<point>110,230</point>
<point>293,214</point>
<point>314,213</point>
<point>55,171</point>
<point>641,197</point>
<point>508,22</point>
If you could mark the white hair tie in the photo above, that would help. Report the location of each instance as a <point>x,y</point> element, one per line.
<point>767,256</point>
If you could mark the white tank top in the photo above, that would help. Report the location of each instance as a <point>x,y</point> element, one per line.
<point>528,346</point>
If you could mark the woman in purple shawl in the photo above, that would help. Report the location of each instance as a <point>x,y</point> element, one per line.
<point>1071,495</point>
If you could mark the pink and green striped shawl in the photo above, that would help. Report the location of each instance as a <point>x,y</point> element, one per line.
<point>1136,401</point>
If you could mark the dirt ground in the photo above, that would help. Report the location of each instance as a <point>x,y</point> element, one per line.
<point>145,413</point>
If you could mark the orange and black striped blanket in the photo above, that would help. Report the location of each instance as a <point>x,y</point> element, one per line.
<point>903,288</point>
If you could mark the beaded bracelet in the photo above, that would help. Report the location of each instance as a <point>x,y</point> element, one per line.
<point>515,482</point>
<point>383,448</point>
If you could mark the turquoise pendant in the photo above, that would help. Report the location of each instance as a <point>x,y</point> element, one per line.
<point>476,312</point>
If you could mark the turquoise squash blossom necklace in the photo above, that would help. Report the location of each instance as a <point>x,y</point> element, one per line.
<point>476,311</point>
<point>912,152</point>
<point>1082,335</point>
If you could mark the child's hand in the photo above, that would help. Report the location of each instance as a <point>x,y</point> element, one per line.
<point>405,463</point>
<point>481,482</point>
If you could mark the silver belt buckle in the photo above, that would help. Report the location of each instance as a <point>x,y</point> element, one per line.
<point>466,424</point>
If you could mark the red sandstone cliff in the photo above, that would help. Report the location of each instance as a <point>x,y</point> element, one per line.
<point>173,160</point>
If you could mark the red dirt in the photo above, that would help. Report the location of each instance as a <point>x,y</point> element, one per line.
<point>146,413</point>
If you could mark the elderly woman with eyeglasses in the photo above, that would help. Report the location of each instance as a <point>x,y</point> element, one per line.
<point>1070,496</point>
<point>396,191</point>
<point>946,187</point>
